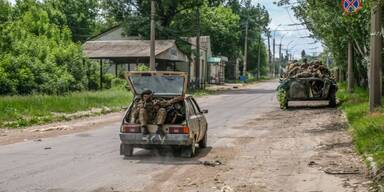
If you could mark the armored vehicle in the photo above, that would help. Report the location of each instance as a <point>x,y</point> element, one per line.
<point>306,82</point>
<point>185,125</point>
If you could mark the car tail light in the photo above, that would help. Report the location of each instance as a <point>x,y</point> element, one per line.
<point>178,130</point>
<point>131,128</point>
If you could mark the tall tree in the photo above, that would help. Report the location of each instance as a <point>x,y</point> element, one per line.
<point>5,11</point>
<point>79,15</point>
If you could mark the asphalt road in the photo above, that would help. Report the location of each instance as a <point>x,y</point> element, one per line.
<point>238,132</point>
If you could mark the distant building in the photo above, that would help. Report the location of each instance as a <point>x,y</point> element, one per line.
<point>124,53</point>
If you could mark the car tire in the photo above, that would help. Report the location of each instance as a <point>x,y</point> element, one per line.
<point>332,102</point>
<point>126,150</point>
<point>332,98</point>
<point>203,142</point>
<point>189,151</point>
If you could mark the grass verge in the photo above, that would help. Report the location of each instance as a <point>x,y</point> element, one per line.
<point>22,111</point>
<point>367,129</point>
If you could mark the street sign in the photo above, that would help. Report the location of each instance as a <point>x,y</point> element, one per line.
<point>351,6</point>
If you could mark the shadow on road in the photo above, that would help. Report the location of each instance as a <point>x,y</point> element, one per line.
<point>168,156</point>
<point>306,107</point>
<point>249,91</point>
<point>309,105</point>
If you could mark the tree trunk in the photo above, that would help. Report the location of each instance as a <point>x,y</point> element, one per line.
<point>375,92</point>
<point>350,67</point>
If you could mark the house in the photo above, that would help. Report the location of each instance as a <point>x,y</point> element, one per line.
<point>124,53</point>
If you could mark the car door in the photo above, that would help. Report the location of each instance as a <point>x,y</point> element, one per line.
<point>193,118</point>
<point>201,117</point>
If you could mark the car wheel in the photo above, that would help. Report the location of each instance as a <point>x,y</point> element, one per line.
<point>189,151</point>
<point>203,143</point>
<point>332,102</point>
<point>126,150</point>
<point>332,98</point>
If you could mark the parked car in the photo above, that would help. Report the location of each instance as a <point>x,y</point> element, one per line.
<point>185,125</point>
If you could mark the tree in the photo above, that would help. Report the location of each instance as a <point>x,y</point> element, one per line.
<point>79,15</point>
<point>5,11</point>
<point>326,22</point>
<point>38,56</point>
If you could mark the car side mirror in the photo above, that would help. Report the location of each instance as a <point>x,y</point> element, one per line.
<point>205,111</point>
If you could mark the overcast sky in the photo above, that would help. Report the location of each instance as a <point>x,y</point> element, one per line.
<point>284,16</point>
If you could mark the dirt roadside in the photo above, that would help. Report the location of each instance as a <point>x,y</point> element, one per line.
<point>302,149</point>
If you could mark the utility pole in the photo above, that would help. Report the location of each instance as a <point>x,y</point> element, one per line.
<point>287,55</point>
<point>375,92</point>
<point>197,60</point>
<point>350,66</point>
<point>258,58</point>
<point>269,54</point>
<point>245,48</point>
<point>273,57</point>
<point>152,58</point>
<point>280,58</point>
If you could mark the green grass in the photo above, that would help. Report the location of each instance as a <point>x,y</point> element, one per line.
<point>21,111</point>
<point>367,129</point>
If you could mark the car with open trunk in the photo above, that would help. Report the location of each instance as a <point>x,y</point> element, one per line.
<point>185,126</point>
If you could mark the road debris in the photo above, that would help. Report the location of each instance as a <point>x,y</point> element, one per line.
<point>46,148</point>
<point>342,171</point>
<point>226,189</point>
<point>312,163</point>
<point>211,163</point>
<point>37,140</point>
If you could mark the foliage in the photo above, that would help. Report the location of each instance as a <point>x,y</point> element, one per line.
<point>79,15</point>
<point>282,98</point>
<point>220,23</point>
<point>5,11</point>
<point>143,67</point>
<point>118,83</point>
<point>38,56</point>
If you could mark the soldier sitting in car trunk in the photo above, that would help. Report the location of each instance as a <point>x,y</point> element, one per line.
<point>152,111</point>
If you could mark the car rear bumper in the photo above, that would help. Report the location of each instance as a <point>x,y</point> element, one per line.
<point>169,139</point>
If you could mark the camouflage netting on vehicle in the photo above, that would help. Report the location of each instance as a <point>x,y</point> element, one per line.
<point>305,70</point>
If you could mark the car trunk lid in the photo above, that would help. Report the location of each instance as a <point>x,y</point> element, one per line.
<point>161,83</point>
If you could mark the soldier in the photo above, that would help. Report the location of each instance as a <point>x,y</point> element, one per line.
<point>150,111</point>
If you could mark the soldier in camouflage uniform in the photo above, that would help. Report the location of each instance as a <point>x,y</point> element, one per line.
<point>150,111</point>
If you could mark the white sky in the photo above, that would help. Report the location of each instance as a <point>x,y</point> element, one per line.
<point>284,16</point>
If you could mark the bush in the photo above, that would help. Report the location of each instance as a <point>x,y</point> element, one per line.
<point>118,83</point>
<point>37,56</point>
<point>143,67</point>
